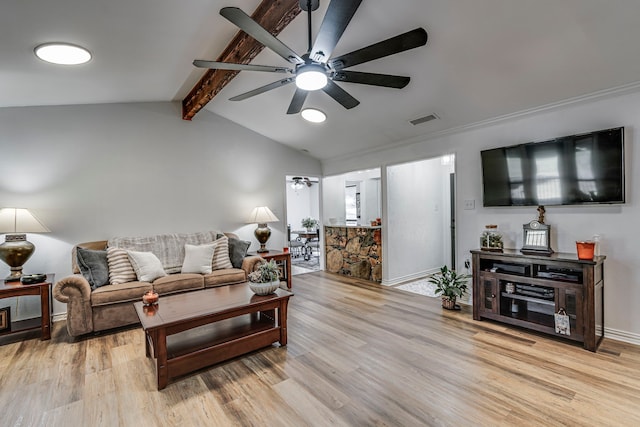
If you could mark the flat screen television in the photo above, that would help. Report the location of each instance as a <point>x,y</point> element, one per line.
<point>572,170</point>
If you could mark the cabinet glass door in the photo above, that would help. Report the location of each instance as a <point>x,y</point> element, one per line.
<point>571,301</point>
<point>488,294</point>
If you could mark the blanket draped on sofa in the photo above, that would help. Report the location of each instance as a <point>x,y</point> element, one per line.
<point>169,248</point>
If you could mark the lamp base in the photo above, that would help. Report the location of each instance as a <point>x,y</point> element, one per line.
<point>15,251</point>
<point>15,276</point>
<point>262,233</point>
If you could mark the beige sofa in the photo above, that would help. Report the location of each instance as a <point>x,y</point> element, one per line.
<point>110,306</point>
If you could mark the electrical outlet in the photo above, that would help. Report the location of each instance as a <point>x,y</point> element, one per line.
<point>467,263</point>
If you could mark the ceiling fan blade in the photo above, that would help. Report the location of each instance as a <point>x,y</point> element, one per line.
<point>409,40</point>
<point>340,95</point>
<point>255,30</point>
<point>262,89</point>
<point>336,19</point>
<point>386,80</point>
<point>201,63</point>
<point>297,101</point>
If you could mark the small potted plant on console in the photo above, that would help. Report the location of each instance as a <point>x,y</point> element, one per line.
<point>265,279</point>
<point>450,285</point>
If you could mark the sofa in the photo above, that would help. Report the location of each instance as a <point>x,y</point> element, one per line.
<point>109,276</point>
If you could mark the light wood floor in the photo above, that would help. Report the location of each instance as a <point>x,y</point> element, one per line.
<point>358,355</point>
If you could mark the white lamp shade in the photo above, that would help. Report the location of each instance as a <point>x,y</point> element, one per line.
<point>15,220</point>
<point>261,215</point>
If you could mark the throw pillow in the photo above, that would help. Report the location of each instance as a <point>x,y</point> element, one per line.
<point>237,251</point>
<point>93,266</point>
<point>198,258</point>
<point>120,268</point>
<point>221,255</point>
<point>146,265</point>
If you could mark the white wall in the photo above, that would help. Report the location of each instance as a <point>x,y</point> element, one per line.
<point>617,224</point>
<point>370,203</point>
<point>417,226</point>
<point>333,193</point>
<point>92,172</point>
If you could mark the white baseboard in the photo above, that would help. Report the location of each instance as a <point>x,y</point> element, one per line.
<point>409,277</point>
<point>624,336</point>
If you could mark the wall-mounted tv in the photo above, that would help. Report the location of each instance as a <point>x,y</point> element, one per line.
<point>572,170</point>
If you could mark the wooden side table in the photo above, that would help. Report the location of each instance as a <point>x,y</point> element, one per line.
<point>17,289</point>
<point>283,259</point>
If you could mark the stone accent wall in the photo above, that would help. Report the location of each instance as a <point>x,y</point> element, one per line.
<point>354,251</point>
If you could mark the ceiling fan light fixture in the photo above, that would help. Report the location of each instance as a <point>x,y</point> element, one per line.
<point>62,53</point>
<point>297,183</point>
<point>313,115</point>
<point>311,77</point>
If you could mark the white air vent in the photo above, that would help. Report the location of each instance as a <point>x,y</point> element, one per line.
<point>424,119</point>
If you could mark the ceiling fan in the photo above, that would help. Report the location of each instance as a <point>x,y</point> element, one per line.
<point>300,182</point>
<point>316,69</point>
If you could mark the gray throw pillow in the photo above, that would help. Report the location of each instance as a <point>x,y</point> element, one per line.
<point>93,266</point>
<point>237,251</point>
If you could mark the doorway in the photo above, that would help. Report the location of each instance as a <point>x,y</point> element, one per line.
<point>420,213</point>
<point>303,204</point>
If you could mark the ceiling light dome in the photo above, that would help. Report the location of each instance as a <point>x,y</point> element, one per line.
<point>313,115</point>
<point>62,53</point>
<point>311,77</point>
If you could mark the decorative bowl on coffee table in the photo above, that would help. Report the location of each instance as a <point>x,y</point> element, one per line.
<point>264,288</point>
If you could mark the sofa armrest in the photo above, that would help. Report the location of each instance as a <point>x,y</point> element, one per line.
<point>75,291</point>
<point>249,263</point>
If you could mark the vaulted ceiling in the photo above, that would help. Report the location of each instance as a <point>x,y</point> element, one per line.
<point>484,59</point>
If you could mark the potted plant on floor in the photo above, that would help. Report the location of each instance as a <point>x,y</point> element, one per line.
<point>450,285</point>
<point>265,279</point>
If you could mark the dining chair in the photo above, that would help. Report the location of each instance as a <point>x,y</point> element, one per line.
<point>314,243</point>
<point>296,247</point>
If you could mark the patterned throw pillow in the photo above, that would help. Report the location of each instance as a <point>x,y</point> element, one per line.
<point>221,255</point>
<point>120,268</point>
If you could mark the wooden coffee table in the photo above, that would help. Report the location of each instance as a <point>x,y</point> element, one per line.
<point>189,331</point>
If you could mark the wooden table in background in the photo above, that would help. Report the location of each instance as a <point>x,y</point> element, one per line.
<point>308,237</point>
<point>18,289</point>
<point>281,258</point>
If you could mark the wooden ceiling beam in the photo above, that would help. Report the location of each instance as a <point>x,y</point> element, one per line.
<point>274,16</point>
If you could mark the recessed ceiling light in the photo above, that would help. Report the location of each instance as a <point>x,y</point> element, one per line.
<point>62,53</point>
<point>313,115</point>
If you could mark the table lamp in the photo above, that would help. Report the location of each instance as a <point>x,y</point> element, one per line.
<point>262,215</point>
<point>16,250</point>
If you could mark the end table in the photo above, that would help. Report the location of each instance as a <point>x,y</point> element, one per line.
<point>283,259</point>
<point>18,289</point>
